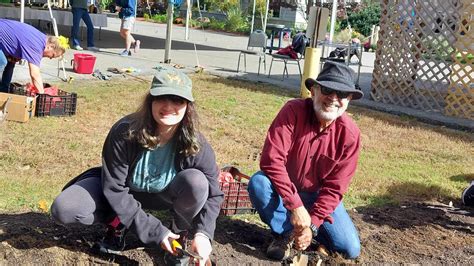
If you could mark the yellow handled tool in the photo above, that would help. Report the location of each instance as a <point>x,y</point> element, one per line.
<point>176,246</point>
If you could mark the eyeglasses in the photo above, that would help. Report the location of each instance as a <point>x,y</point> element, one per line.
<point>172,98</point>
<point>340,94</point>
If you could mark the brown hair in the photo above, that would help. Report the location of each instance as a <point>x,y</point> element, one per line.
<point>54,41</point>
<point>143,127</point>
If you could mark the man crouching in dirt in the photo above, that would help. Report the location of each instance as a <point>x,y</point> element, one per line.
<point>308,160</point>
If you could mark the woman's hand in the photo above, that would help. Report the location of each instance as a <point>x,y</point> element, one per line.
<point>202,245</point>
<point>166,242</point>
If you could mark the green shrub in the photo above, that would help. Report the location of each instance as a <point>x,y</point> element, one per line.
<point>343,36</point>
<point>104,4</point>
<point>219,5</point>
<point>146,16</point>
<point>216,24</point>
<point>236,22</point>
<point>159,18</point>
<point>437,47</point>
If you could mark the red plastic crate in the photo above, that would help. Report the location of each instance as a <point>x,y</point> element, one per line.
<point>236,197</point>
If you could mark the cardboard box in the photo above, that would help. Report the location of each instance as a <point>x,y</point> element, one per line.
<point>20,108</point>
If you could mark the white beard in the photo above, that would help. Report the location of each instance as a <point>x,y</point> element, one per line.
<point>336,110</point>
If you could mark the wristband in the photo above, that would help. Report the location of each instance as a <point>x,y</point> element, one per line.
<point>314,229</point>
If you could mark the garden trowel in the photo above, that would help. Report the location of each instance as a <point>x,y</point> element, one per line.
<point>300,259</point>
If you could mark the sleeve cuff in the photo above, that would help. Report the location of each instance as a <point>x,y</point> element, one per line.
<point>292,202</point>
<point>318,222</point>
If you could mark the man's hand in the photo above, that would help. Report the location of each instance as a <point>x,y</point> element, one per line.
<point>118,8</point>
<point>202,246</point>
<point>166,242</point>
<point>303,238</point>
<point>300,219</point>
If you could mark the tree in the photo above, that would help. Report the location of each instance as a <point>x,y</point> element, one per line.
<point>362,19</point>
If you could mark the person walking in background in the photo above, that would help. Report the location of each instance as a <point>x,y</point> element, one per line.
<point>152,159</point>
<point>127,13</point>
<point>308,160</point>
<point>80,11</point>
<point>22,41</point>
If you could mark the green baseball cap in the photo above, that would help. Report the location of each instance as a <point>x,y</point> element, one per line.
<point>171,81</point>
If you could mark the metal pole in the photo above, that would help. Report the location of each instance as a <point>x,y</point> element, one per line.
<point>22,11</point>
<point>169,26</point>
<point>253,15</point>
<point>186,30</point>
<point>333,20</point>
<point>266,15</point>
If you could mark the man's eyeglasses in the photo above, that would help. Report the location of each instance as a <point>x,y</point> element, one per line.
<point>340,94</point>
<point>172,98</point>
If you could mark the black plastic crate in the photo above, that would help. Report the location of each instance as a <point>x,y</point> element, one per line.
<point>64,104</point>
<point>236,196</point>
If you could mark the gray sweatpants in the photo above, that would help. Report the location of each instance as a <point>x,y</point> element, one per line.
<point>85,203</point>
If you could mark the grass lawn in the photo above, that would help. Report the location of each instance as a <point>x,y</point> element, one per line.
<point>401,159</point>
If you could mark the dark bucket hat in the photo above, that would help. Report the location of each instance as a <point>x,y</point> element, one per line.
<point>171,81</point>
<point>338,77</point>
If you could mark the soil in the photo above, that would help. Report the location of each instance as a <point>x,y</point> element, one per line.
<point>415,233</point>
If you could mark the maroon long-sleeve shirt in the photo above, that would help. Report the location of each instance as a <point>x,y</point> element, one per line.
<point>297,158</point>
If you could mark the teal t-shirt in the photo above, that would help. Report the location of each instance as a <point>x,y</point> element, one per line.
<point>155,169</point>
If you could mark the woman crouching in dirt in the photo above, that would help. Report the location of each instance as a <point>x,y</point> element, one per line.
<point>151,159</point>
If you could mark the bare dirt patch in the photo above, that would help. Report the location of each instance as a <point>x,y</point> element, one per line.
<point>426,233</point>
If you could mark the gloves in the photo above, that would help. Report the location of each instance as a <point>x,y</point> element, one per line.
<point>166,242</point>
<point>202,245</point>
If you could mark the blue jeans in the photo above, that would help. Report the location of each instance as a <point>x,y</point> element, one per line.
<point>340,236</point>
<point>77,15</point>
<point>6,68</point>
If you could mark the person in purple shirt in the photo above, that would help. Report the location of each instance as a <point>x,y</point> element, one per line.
<point>22,41</point>
<point>308,160</point>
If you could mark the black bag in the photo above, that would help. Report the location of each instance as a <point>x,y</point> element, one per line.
<point>300,42</point>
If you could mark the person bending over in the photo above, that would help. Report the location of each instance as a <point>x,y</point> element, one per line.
<point>21,41</point>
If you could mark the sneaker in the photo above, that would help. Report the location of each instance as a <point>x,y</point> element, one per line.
<point>126,53</point>
<point>93,49</point>
<point>114,240</point>
<point>280,248</point>
<point>468,195</point>
<point>136,47</point>
<point>77,47</point>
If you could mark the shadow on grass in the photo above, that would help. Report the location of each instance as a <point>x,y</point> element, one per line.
<point>251,85</point>
<point>462,178</point>
<point>111,40</point>
<point>415,204</point>
<point>410,122</point>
